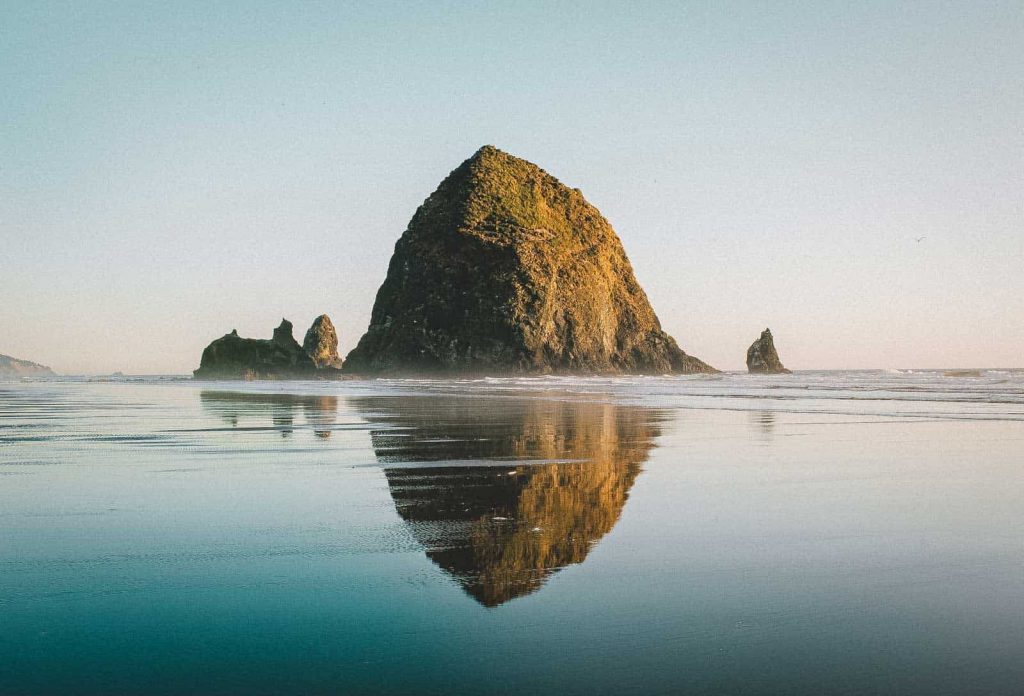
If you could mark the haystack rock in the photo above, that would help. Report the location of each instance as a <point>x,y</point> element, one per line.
<point>234,357</point>
<point>321,343</point>
<point>762,357</point>
<point>505,270</point>
<point>13,367</point>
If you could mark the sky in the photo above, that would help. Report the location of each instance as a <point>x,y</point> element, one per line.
<point>849,174</point>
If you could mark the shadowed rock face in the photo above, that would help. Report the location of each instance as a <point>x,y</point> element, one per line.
<point>321,343</point>
<point>234,357</point>
<point>762,357</point>
<point>504,270</point>
<point>504,492</point>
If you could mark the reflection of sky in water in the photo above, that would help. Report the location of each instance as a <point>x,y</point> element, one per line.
<point>170,538</point>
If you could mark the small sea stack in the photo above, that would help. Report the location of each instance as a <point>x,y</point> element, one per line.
<point>321,343</point>
<point>762,358</point>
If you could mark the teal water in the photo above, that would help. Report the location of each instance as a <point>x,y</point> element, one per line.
<point>817,533</point>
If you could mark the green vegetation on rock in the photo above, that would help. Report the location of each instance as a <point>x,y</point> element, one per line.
<point>505,270</point>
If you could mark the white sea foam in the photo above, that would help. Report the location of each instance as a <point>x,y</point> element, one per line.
<point>995,394</point>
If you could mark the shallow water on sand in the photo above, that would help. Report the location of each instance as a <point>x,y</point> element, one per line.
<point>818,532</point>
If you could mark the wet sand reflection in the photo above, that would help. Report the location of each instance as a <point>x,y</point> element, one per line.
<point>320,413</point>
<point>763,423</point>
<point>503,492</point>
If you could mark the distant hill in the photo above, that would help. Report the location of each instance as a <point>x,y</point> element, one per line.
<point>12,367</point>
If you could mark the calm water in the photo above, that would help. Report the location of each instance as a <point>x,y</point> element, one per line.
<point>852,533</point>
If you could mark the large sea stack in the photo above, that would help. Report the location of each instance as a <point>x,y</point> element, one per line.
<point>505,270</point>
<point>234,357</point>
<point>762,358</point>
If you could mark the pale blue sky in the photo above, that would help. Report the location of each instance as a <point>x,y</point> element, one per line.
<point>170,171</point>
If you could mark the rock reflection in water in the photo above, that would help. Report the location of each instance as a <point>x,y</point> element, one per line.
<point>521,487</point>
<point>319,412</point>
<point>763,422</point>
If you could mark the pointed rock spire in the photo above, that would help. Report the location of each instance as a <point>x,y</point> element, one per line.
<point>321,343</point>
<point>283,334</point>
<point>762,357</point>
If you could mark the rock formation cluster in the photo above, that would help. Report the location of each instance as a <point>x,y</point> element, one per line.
<point>280,357</point>
<point>505,270</point>
<point>762,358</point>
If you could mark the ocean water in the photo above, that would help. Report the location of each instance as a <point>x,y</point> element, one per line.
<point>822,532</point>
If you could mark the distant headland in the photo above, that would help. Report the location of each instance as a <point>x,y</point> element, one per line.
<point>502,270</point>
<point>13,367</point>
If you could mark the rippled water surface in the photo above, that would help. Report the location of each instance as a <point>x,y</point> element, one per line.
<point>858,532</point>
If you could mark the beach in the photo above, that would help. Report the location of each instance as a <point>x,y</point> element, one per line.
<point>841,532</point>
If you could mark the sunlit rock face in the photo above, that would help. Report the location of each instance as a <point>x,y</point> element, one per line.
<point>321,343</point>
<point>505,270</point>
<point>504,492</point>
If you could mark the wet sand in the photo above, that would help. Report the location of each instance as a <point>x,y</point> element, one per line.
<point>822,532</point>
